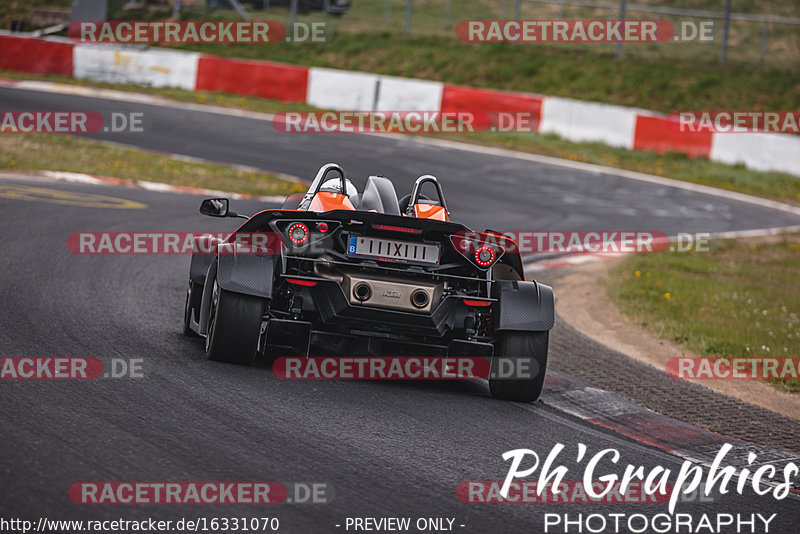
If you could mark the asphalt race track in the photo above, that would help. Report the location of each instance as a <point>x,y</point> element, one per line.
<point>382,448</point>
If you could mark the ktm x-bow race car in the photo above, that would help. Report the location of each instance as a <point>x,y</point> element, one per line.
<point>340,272</point>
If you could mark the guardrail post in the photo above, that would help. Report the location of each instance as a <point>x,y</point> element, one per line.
<point>388,15</point>
<point>407,25</point>
<point>622,5</point>
<point>517,9</point>
<point>447,13</point>
<point>723,58</point>
<point>292,16</point>
<point>239,9</point>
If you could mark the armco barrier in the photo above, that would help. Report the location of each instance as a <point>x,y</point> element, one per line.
<point>150,67</point>
<point>359,91</point>
<point>275,81</point>
<point>40,56</point>
<point>661,134</point>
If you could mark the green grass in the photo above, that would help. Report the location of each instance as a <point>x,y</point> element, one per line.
<point>773,185</point>
<point>741,299</point>
<point>67,153</point>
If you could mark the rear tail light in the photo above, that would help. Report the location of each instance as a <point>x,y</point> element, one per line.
<point>481,249</point>
<point>477,303</point>
<point>297,233</point>
<point>302,282</point>
<point>485,255</point>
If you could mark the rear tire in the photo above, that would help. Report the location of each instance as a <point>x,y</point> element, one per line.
<point>234,324</point>
<point>521,351</point>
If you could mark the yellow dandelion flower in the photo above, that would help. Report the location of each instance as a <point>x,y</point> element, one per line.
<point>667,296</point>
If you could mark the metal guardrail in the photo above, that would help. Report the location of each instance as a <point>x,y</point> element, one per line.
<point>671,11</point>
<point>512,9</point>
<point>725,16</point>
<point>618,9</point>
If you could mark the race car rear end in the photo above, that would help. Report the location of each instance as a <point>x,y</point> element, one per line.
<point>381,280</point>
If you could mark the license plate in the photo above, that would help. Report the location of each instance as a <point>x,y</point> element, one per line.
<point>389,249</point>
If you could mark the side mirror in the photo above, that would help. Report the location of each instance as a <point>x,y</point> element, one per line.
<point>215,207</point>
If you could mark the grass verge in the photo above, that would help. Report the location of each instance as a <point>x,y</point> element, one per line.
<point>67,153</point>
<point>740,300</point>
<point>773,185</point>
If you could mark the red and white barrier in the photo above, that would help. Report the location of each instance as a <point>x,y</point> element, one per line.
<point>404,94</point>
<point>661,134</point>
<point>275,81</point>
<point>759,151</point>
<point>150,67</point>
<point>588,121</point>
<point>459,98</point>
<point>341,90</point>
<point>575,120</point>
<point>39,56</point>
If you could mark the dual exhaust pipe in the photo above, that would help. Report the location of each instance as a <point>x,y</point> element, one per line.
<point>419,298</point>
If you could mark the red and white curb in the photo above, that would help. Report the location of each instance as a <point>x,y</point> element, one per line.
<point>690,442</point>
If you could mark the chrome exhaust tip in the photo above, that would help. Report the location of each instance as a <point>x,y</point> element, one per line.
<point>362,291</point>
<point>419,298</point>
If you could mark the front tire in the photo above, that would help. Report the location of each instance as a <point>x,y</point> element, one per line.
<point>234,324</point>
<point>524,353</point>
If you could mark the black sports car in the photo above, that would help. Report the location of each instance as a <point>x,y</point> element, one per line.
<point>337,272</point>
